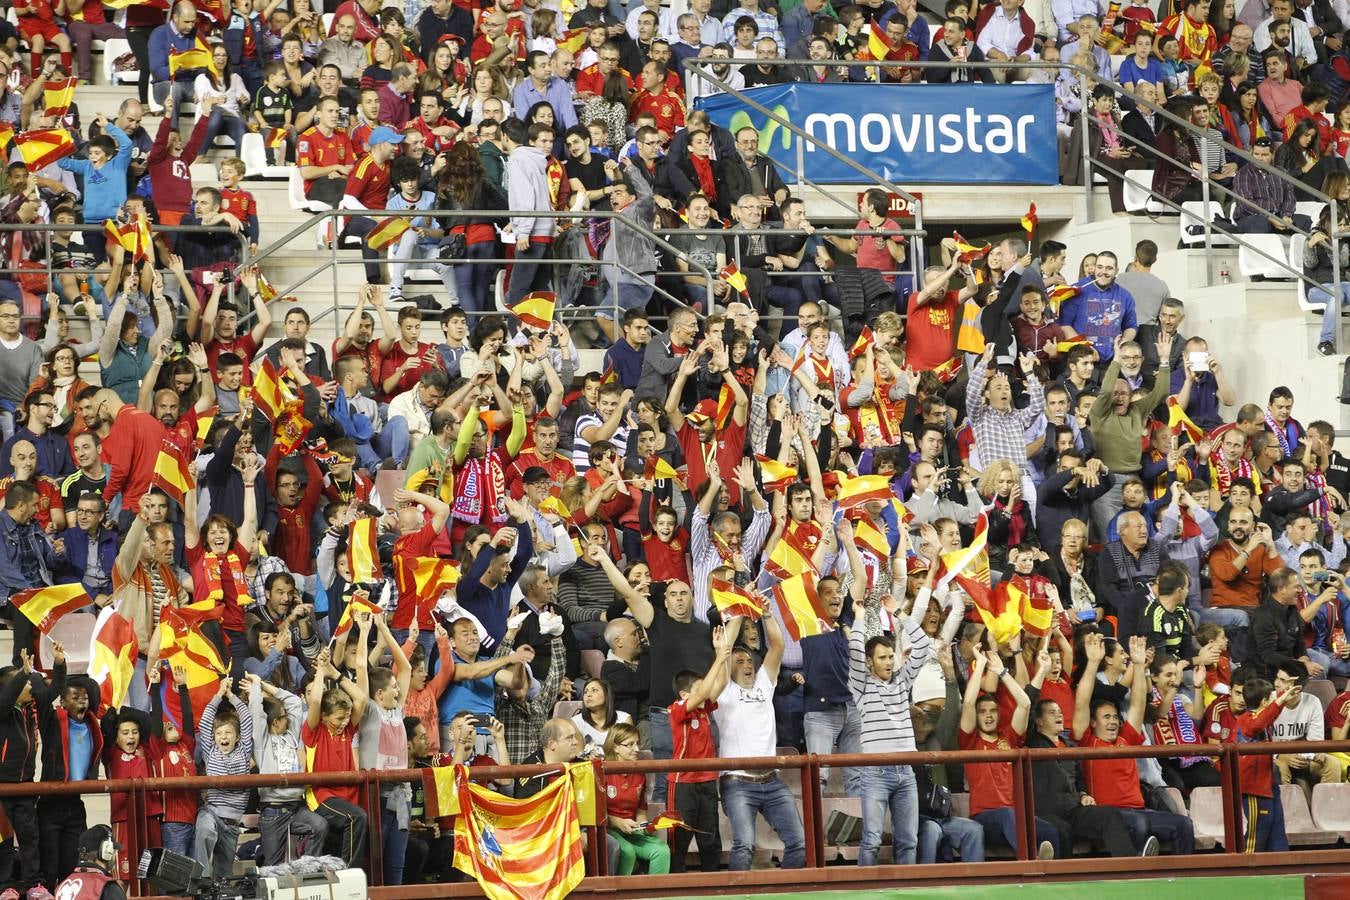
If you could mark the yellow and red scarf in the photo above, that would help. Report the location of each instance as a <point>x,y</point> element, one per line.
<point>215,565</point>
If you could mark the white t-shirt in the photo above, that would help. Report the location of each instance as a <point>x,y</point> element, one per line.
<point>745,720</point>
<point>593,738</point>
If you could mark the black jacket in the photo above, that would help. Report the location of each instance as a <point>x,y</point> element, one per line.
<point>1275,637</point>
<point>19,727</point>
<point>1283,503</point>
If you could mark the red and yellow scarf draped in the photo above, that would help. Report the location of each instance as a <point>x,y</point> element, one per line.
<point>218,567</point>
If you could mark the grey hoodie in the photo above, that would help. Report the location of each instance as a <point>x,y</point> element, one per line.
<point>628,247</point>
<point>278,754</point>
<point>527,190</point>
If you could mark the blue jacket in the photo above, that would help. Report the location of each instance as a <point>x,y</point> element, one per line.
<point>16,539</point>
<point>162,39</point>
<point>71,565</point>
<point>234,40</point>
<point>53,454</point>
<point>105,188</point>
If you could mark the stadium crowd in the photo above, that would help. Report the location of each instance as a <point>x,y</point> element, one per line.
<point>1172,579</point>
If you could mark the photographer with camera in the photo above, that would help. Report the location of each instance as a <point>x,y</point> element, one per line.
<point>1320,608</point>
<point>93,878</point>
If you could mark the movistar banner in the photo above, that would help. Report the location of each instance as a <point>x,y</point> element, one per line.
<point>935,133</point>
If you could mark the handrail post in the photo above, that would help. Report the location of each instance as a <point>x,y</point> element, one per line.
<point>1336,273</point>
<point>601,818</point>
<point>1209,228</point>
<point>135,835</point>
<point>1025,819</point>
<point>1231,788</point>
<point>812,812</point>
<point>374,828</point>
<point>1085,100</point>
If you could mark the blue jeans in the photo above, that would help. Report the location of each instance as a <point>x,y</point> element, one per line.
<point>1333,664</point>
<point>220,123</point>
<point>1331,315</point>
<point>663,747</point>
<point>1163,825</point>
<point>835,730</point>
<point>742,800</point>
<point>177,837</point>
<point>472,280</point>
<point>893,789</point>
<point>1000,827</point>
<point>410,249</point>
<point>525,274</point>
<point>1234,623</point>
<point>937,840</point>
<point>395,846</point>
<point>630,296</point>
<point>392,441</point>
<point>215,844</point>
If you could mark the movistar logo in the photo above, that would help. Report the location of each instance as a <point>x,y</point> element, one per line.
<point>768,129</point>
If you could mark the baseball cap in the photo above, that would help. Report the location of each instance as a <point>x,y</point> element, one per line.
<point>383,135</point>
<point>705,409</point>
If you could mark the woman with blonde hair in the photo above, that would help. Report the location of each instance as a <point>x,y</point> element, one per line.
<point>1009,514</point>
<point>628,810</point>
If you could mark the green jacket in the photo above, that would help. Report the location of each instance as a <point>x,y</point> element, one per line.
<point>1118,437</point>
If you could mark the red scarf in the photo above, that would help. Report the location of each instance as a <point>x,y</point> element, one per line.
<point>215,586</point>
<point>1015,523</point>
<point>481,485</point>
<point>703,169</point>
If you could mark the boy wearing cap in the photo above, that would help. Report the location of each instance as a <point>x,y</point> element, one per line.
<point>368,188</point>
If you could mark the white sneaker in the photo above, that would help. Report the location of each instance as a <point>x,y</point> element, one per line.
<point>1045,851</point>
<point>1150,847</point>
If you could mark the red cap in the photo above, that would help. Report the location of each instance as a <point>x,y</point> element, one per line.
<point>705,409</point>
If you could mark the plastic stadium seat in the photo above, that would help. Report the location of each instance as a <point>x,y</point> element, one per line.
<point>1193,213</point>
<point>566,709</point>
<point>1312,209</point>
<point>1331,808</point>
<point>1138,189</point>
<point>591,661</point>
<point>254,154</point>
<point>1321,689</point>
<point>1177,798</point>
<point>846,813</point>
<point>1261,265</point>
<point>1298,820</point>
<point>73,631</point>
<point>1207,817</point>
<point>113,48</point>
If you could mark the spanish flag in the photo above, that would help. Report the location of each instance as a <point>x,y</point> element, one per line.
<point>573,39</point>
<point>947,372</point>
<point>857,491</point>
<point>1030,221</point>
<point>276,138</point>
<point>1178,421</point>
<point>45,605</point>
<point>536,309</point>
<point>878,45</point>
<point>171,472</point>
<point>660,470</point>
<point>969,252</point>
<point>869,537</point>
<point>735,279</point>
<point>790,557</point>
<point>199,57</point>
<point>6,135</point>
<point>774,475</point>
<point>183,643</point>
<point>668,819</point>
<point>1038,616</point>
<point>1068,344</point>
<point>266,291</point>
<point>360,602</point>
<point>44,146</point>
<point>390,229</point>
<point>1003,620</point>
<point>363,557</point>
<point>517,849</point>
<point>732,601</point>
<point>559,508</point>
<point>112,657</point>
<point>271,394</point>
<point>1061,292</point>
<point>865,339</point>
<point>291,431</point>
<point>423,579</point>
<point>799,602</point>
<point>973,559</point>
<point>58,93</point>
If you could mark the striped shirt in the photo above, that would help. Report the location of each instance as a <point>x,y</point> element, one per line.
<point>884,705</point>
<point>229,804</point>
<point>706,557</point>
<point>581,448</point>
<point>1001,434</point>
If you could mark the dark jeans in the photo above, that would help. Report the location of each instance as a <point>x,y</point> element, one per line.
<point>473,281</point>
<point>346,829</point>
<point>1000,828</point>
<point>139,39</point>
<point>697,804</point>
<point>61,821</point>
<point>1259,223</point>
<point>1102,825</point>
<point>1202,774</point>
<point>278,824</point>
<point>526,273</point>
<point>360,227</point>
<point>22,815</point>
<point>220,123</point>
<point>1164,826</point>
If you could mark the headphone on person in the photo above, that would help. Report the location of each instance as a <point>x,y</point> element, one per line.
<point>107,848</point>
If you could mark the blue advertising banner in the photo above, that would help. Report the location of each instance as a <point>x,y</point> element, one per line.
<point>910,133</point>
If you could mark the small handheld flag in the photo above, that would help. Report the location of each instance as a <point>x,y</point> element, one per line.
<point>44,146</point>
<point>58,93</point>
<point>735,279</point>
<point>44,606</point>
<point>390,229</point>
<point>535,309</point>
<point>1029,222</point>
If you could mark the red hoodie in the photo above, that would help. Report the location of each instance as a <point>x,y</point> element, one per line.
<point>131,448</point>
<point>171,175</point>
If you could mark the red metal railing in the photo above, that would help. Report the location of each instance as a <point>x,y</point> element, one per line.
<point>809,767</point>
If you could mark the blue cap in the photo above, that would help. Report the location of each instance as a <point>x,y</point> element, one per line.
<point>383,135</point>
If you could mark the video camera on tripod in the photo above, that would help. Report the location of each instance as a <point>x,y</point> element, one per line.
<point>177,875</point>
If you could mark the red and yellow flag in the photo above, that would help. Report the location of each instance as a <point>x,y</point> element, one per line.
<point>869,537</point>
<point>660,470</point>
<point>865,339</point>
<point>44,146</point>
<point>775,476</point>
<point>790,556</point>
<point>947,372</point>
<point>969,252</point>
<point>735,279</point>
<point>360,603</point>
<point>573,39</point>
<point>44,606</point>
<point>1003,620</point>
<point>276,138</point>
<point>536,309</point>
<point>390,229</point>
<point>424,579</point>
<point>1061,292</point>
<point>199,57</point>
<point>1038,616</point>
<point>363,557</point>
<point>182,643</point>
<point>172,472</point>
<point>878,44</point>
<point>1030,221</point>
<point>1068,344</point>
<point>271,394</point>
<point>732,601</point>
<point>291,431</point>
<point>972,560</point>
<point>855,492</point>
<point>6,135</point>
<point>1178,421</point>
<point>58,93</point>
<point>803,612</point>
<point>112,657</point>
<point>668,819</point>
<point>519,849</point>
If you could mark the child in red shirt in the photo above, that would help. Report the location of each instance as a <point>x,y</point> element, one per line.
<point>328,734</point>
<point>665,546</point>
<point>172,751</point>
<point>37,24</point>
<point>126,756</point>
<point>692,738</point>
<point>236,201</point>
<point>1261,808</point>
<point>626,799</point>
